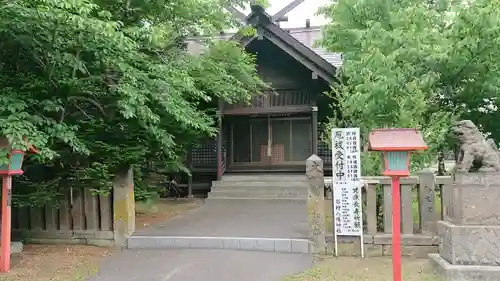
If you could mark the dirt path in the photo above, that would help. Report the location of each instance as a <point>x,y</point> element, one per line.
<point>56,263</point>
<point>149,214</point>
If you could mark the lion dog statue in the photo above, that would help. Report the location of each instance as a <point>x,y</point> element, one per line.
<point>476,153</point>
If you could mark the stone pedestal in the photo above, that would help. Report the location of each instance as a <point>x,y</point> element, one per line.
<point>469,239</point>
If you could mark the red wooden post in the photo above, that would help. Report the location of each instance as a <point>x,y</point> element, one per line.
<point>396,145</point>
<point>6,223</point>
<point>14,167</point>
<point>396,229</point>
<point>219,147</point>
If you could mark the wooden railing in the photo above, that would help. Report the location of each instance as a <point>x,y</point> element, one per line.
<point>80,216</point>
<point>289,97</point>
<point>425,199</point>
<point>272,99</point>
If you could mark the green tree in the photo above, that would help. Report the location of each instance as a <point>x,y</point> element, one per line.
<point>416,64</point>
<point>99,85</point>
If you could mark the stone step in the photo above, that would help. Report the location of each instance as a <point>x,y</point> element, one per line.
<point>260,189</point>
<point>282,183</point>
<point>281,245</point>
<point>257,191</point>
<point>264,178</point>
<point>253,194</point>
<point>272,201</point>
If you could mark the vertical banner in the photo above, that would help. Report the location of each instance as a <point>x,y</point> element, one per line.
<point>347,185</point>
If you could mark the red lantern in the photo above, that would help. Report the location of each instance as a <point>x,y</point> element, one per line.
<point>16,158</point>
<point>396,145</point>
<point>13,167</point>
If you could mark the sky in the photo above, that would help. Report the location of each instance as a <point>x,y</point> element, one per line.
<point>297,17</point>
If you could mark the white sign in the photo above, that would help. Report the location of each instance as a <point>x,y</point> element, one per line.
<point>346,155</point>
<point>347,184</point>
<point>347,212</point>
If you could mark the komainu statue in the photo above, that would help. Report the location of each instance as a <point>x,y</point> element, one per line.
<point>476,153</point>
<point>493,145</point>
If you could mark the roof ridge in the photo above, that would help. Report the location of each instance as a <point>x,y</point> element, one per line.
<point>303,28</point>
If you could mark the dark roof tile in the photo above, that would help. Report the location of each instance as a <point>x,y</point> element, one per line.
<point>306,36</point>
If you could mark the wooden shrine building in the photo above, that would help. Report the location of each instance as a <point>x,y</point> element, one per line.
<point>277,131</point>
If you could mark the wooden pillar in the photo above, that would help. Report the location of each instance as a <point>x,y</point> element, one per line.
<point>315,130</point>
<point>190,175</point>
<point>269,152</point>
<point>219,147</point>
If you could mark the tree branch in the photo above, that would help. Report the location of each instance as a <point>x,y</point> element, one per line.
<point>89,100</point>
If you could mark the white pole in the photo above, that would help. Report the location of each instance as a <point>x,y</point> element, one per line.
<point>336,246</point>
<point>362,238</point>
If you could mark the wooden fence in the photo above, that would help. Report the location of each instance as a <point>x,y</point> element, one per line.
<point>425,199</point>
<point>81,218</point>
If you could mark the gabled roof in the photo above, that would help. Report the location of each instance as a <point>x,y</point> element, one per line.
<point>396,139</point>
<point>305,35</point>
<point>298,43</point>
<point>308,36</point>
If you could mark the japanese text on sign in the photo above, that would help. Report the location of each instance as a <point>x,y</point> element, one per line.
<point>347,209</point>
<point>346,156</point>
<point>346,181</point>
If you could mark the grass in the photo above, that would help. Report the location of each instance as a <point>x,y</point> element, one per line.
<point>78,262</point>
<point>415,211</point>
<point>369,269</point>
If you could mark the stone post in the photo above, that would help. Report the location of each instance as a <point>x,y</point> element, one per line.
<point>469,248</point>
<point>123,207</point>
<point>427,197</point>
<point>316,204</point>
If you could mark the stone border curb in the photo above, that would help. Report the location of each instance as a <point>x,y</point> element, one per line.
<point>449,272</point>
<point>16,247</point>
<point>281,245</point>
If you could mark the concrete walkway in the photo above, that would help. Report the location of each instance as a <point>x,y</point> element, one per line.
<point>263,225</point>
<point>201,265</point>
<point>244,240</point>
<point>238,218</point>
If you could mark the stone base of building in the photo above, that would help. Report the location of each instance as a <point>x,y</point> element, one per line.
<point>450,272</point>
